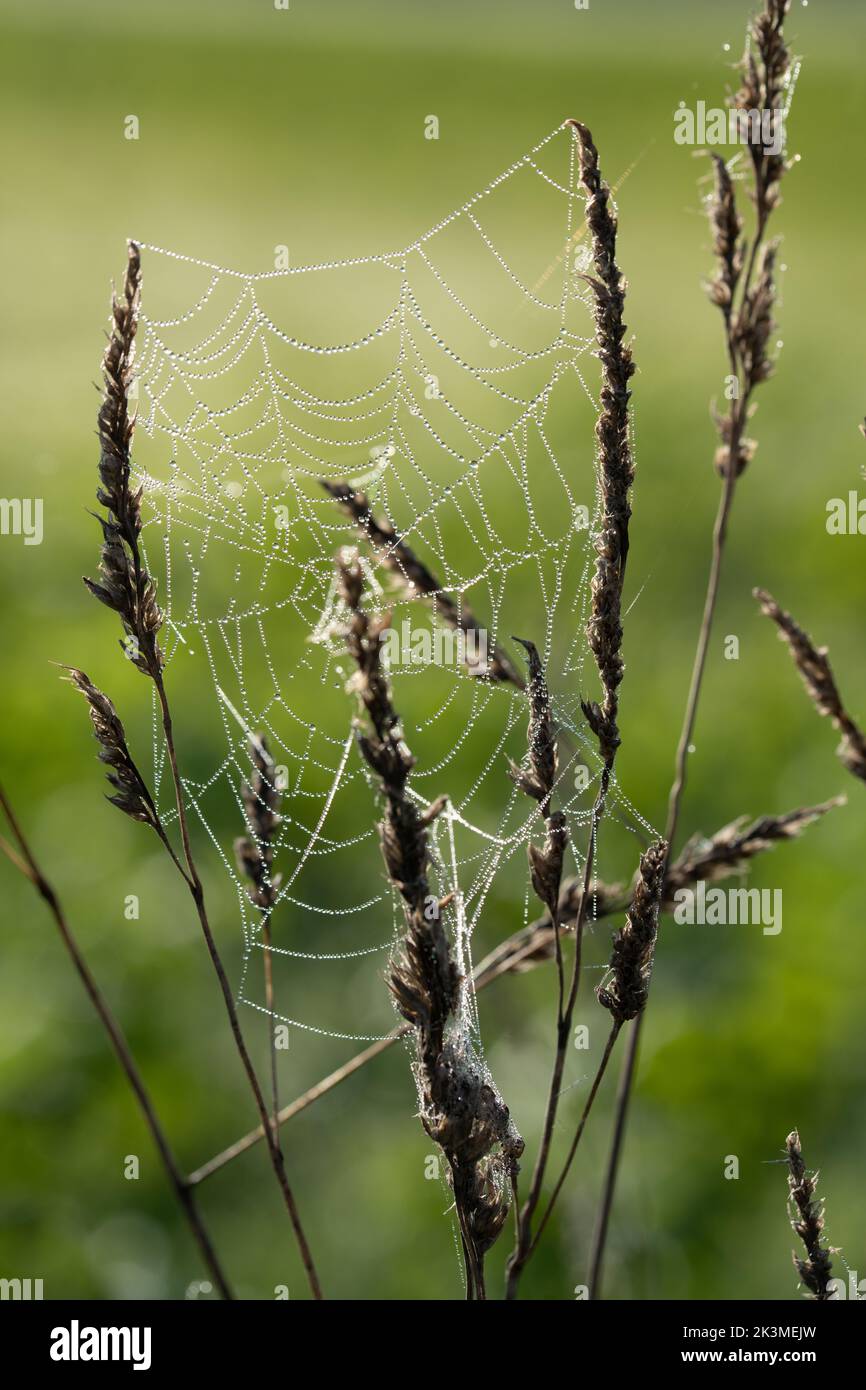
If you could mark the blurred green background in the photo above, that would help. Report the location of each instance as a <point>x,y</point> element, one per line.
<point>305,127</point>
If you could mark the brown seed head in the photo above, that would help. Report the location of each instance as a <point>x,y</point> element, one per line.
<point>813,663</point>
<point>130,793</point>
<point>255,852</point>
<point>124,584</point>
<point>727,225</point>
<point>401,561</point>
<point>625,992</point>
<point>616,467</point>
<point>808,1223</point>
<point>459,1106</point>
<point>765,71</point>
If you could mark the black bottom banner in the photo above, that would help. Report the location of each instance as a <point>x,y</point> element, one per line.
<point>60,1339</point>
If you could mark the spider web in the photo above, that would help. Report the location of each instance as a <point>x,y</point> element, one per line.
<point>445,380</point>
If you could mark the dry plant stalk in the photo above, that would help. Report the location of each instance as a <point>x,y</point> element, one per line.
<point>419,581</point>
<point>255,858</point>
<point>744,289</point>
<point>24,860</point>
<point>616,465</point>
<point>808,1224</point>
<point>813,663</point>
<point>722,855</point>
<point>748,322</point>
<point>732,848</point>
<point>604,634</point>
<point>726,853</point>
<point>131,796</point>
<point>126,587</point>
<point>625,993</point>
<point>459,1106</point>
<point>536,780</point>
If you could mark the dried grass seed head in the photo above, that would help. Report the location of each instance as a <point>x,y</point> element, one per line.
<point>130,792</point>
<point>813,663</point>
<point>401,561</point>
<point>616,467</point>
<point>711,858</point>
<point>625,992</point>
<point>538,777</point>
<point>765,74</point>
<point>254,853</point>
<point>754,323</point>
<point>732,848</point>
<point>124,584</point>
<point>459,1107</point>
<point>808,1223</point>
<point>728,246</point>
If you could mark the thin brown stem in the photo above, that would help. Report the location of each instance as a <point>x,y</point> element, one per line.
<point>169,847</point>
<point>734,437</point>
<point>599,1239</point>
<point>560,967</point>
<point>593,1092</point>
<point>26,863</point>
<point>475,1289</point>
<point>341,1074</point>
<point>269,1004</point>
<point>729,850</point>
<point>720,531</point>
<point>525,1244</point>
<point>468,1268</point>
<point>288,1112</point>
<point>195,886</point>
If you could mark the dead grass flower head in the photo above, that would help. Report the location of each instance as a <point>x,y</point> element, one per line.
<point>124,584</point>
<point>813,663</point>
<point>625,993</point>
<point>728,247</point>
<point>255,852</point>
<point>420,582</point>
<point>765,74</point>
<point>808,1223</point>
<point>459,1106</point>
<point>616,466</point>
<point>130,793</point>
<point>536,779</point>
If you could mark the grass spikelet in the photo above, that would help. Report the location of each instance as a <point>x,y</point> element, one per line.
<point>731,849</point>
<point>754,323</point>
<point>625,994</point>
<point>401,561</point>
<point>536,779</point>
<point>765,75</point>
<point>130,793</point>
<point>255,858</point>
<point>616,468</point>
<point>255,852</point>
<point>460,1108</point>
<point>808,1223</point>
<point>727,225</point>
<point>124,584</point>
<point>717,857</point>
<point>813,663</point>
